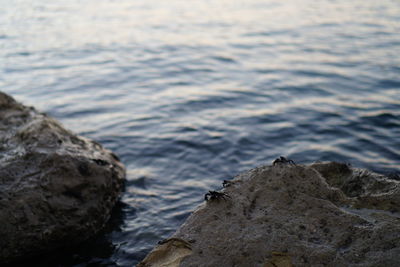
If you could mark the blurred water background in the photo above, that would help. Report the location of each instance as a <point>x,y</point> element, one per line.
<point>189,93</point>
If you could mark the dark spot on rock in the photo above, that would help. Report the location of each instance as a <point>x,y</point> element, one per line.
<point>346,243</point>
<point>252,207</point>
<point>115,157</point>
<point>83,169</point>
<point>100,162</point>
<point>394,176</point>
<point>302,227</point>
<point>74,193</point>
<point>300,236</point>
<point>353,189</point>
<point>389,246</point>
<point>76,141</point>
<point>59,141</point>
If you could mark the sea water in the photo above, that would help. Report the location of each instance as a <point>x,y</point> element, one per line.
<point>189,93</point>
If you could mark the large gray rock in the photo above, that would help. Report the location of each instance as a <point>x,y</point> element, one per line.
<point>56,188</point>
<point>324,214</point>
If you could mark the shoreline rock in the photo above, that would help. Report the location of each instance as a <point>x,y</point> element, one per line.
<point>323,214</point>
<point>57,189</point>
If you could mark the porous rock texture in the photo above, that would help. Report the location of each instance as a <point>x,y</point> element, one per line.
<point>323,214</point>
<point>56,188</point>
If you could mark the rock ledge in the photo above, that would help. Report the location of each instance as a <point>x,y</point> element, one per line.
<point>324,214</point>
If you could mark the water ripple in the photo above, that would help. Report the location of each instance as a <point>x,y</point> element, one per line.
<point>191,93</point>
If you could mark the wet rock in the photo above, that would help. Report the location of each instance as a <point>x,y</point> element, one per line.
<point>56,188</point>
<point>324,214</point>
<point>170,252</point>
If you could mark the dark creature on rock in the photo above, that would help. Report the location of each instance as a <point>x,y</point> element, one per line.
<point>227,183</point>
<point>283,160</point>
<point>213,195</point>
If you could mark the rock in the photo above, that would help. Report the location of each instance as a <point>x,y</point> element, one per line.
<point>324,214</point>
<point>169,253</point>
<point>56,189</point>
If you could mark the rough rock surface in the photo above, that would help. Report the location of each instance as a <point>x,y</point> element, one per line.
<point>56,188</point>
<point>324,214</point>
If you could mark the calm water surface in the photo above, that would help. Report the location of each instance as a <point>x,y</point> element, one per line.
<point>188,93</point>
